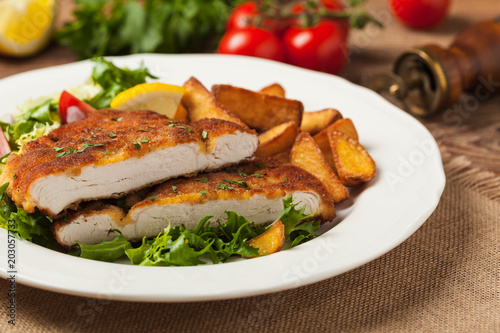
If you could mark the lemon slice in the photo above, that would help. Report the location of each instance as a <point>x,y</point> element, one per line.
<point>159,97</point>
<point>26,26</point>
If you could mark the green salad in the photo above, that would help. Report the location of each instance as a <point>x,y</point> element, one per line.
<point>176,246</point>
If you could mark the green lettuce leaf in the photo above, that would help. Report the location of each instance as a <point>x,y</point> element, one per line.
<point>114,80</point>
<point>33,227</point>
<point>105,250</point>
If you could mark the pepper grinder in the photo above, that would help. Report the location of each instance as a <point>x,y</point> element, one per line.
<point>430,78</point>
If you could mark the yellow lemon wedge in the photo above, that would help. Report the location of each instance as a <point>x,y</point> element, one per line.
<point>159,97</point>
<point>26,26</point>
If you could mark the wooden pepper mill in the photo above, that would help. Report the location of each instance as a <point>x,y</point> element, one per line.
<point>430,78</point>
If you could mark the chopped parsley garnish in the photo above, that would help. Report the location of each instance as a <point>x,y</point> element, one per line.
<point>171,125</point>
<point>137,146</point>
<point>203,192</point>
<point>144,141</point>
<point>174,188</point>
<point>112,135</point>
<point>239,182</point>
<point>15,176</point>
<point>153,197</point>
<point>258,175</point>
<point>183,127</point>
<point>204,135</point>
<point>222,186</point>
<point>202,179</point>
<point>285,179</point>
<point>241,173</point>
<point>107,152</point>
<point>57,149</point>
<point>142,130</point>
<point>119,119</point>
<point>86,145</point>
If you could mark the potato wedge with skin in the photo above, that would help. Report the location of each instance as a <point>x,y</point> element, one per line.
<point>283,157</point>
<point>259,111</point>
<point>200,103</point>
<point>324,145</point>
<point>352,162</point>
<point>181,114</point>
<point>307,155</point>
<point>278,139</point>
<point>271,240</point>
<point>274,89</point>
<point>315,122</point>
<point>345,126</point>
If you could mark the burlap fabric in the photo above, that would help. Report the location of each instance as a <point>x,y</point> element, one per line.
<point>444,278</point>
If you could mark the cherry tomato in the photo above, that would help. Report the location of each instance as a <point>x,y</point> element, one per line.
<point>420,13</point>
<point>330,5</point>
<point>254,42</point>
<point>72,108</point>
<point>322,47</point>
<point>4,144</point>
<point>244,15</point>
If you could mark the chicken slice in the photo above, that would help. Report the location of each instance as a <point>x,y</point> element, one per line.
<point>113,152</point>
<point>257,196</point>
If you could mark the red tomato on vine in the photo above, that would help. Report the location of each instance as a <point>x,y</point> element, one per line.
<point>322,47</point>
<point>420,13</point>
<point>254,42</point>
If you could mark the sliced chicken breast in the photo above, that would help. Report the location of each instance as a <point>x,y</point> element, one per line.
<point>257,196</point>
<point>113,152</point>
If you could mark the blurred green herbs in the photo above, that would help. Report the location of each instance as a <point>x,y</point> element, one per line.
<point>107,27</point>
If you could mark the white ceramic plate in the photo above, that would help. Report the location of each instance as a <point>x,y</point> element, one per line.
<point>405,191</point>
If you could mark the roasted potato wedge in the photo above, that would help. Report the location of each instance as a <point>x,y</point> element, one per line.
<point>283,157</point>
<point>352,162</point>
<point>274,89</point>
<point>259,111</point>
<point>271,241</point>
<point>315,122</point>
<point>278,139</point>
<point>181,114</point>
<point>200,103</point>
<point>324,145</point>
<point>307,155</point>
<point>345,126</point>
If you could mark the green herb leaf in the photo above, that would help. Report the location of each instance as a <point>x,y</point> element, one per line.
<point>153,197</point>
<point>202,179</point>
<point>204,135</point>
<point>108,27</point>
<point>203,192</point>
<point>290,217</point>
<point>114,80</point>
<point>105,250</point>
<point>112,135</point>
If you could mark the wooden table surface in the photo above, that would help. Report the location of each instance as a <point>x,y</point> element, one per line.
<point>474,130</point>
